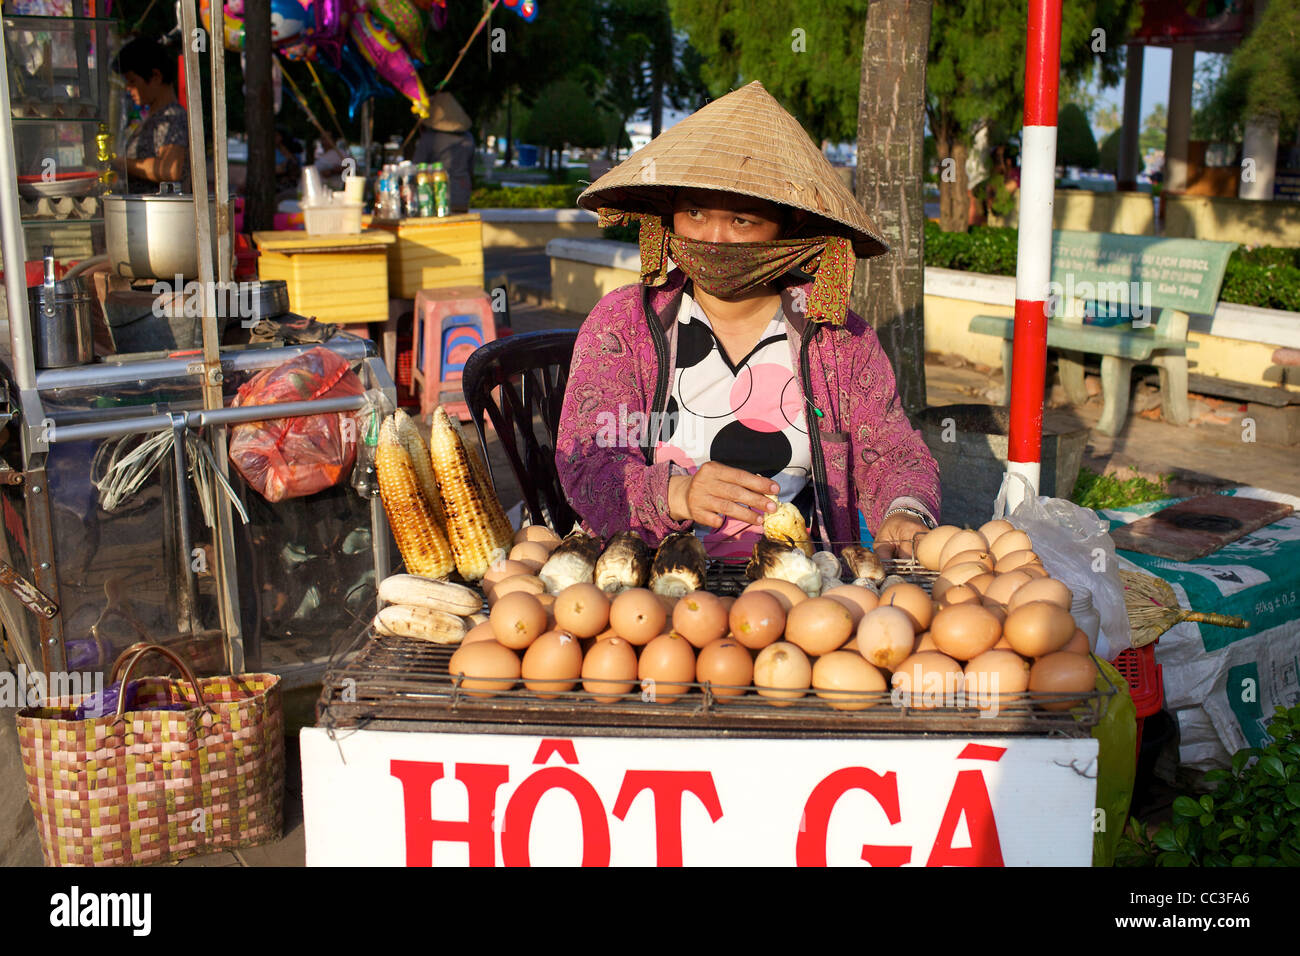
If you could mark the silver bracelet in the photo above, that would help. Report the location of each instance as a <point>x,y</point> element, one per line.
<point>920,516</point>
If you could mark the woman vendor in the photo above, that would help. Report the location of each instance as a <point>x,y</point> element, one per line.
<point>158,151</point>
<point>697,396</point>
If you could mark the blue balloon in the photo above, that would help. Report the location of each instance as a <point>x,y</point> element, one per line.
<point>359,77</point>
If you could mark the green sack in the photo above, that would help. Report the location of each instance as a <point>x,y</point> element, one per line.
<point>1116,734</point>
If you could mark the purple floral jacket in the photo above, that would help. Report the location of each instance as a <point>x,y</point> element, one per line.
<point>865,453</point>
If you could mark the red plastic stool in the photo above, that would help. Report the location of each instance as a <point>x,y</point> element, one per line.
<point>1146,684</point>
<point>449,325</point>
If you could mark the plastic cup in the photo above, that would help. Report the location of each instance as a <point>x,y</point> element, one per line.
<point>354,188</point>
<point>313,191</point>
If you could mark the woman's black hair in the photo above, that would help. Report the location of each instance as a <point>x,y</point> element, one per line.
<point>142,56</point>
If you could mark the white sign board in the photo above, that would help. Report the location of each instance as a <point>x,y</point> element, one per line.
<point>419,799</point>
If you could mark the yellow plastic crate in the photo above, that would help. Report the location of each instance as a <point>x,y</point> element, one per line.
<point>339,279</point>
<point>434,253</point>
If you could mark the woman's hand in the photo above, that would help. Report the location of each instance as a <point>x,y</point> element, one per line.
<point>716,492</point>
<point>894,539</point>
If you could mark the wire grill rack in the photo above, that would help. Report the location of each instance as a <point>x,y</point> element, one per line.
<point>404,683</point>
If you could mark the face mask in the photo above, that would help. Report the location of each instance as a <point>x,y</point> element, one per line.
<point>729,269</point>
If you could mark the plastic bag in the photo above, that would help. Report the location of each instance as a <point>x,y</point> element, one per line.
<point>292,457</point>
<point>1076,549</point>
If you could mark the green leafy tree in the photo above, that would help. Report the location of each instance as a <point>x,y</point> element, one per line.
<point>1153,129</point>
<point>1262,79</point>
<point>1075,144</point>
<point>570,118</point>
<point>807,53</point>
<point>1108,153</point>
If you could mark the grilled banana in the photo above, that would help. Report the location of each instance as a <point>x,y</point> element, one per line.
<point>776,559</point>
<point>416,591</point>
<point>420,623</point>
<point>572,562</point>
<point>625,563</point>
<point>679,565</point>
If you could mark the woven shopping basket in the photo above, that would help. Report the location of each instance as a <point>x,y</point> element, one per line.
<point>155,785</point>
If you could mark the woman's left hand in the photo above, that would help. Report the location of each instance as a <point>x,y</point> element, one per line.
<point>894,539</point>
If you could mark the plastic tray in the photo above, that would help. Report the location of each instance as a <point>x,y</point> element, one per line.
<point>336,219</point>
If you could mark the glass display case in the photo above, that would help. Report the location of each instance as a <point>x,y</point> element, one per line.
<point>60,95</point>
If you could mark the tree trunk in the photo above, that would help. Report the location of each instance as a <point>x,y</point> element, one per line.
<point>954,202</point>
<point>259,116</point>
<point>509,155</point>
<point>656,103</point>
<point>888,291</point>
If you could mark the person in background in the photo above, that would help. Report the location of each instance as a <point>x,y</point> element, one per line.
<point>287,167</point>
<point>329,161</point>
<point>158,151</point>
<point>446,139</point>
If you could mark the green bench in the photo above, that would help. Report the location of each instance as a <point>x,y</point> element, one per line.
<point>1149,286</point>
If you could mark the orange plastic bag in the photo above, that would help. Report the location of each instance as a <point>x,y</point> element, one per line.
<point>292,457</point>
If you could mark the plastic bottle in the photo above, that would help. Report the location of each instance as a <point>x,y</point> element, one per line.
<point>410,201</point>
<point>365,476</point>
<point>1085,615</point>
<point>441,191</point>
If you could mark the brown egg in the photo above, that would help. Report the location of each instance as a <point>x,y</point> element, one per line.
<point>924,642</point>
<point>1003,644</point>
<point>486,667</point>
<point>757,619</point>
<point>782,672</point>
<point>668,664</point>
<point>927,680</point>
<point>1034,570</point>
<point>479,632</point>
<point>964,631</point>
<point>981,583</point>
<point>1006,585</point>
<point>997,610</point>
<point>886,636</point>
<point>582,610</point>
<point>1078,644</point>
<point>788,594</point>
<point>966,540</point>
<point>552,664</point>
<point>819,626</point>
<point>857,599</point>
<point>911,599</point>
<point>538,533</point>
<point>727,666</point>
<point>532,553</point>
<point>1043,589</point>
<point>1015,559</point>
<point>505,569</point>
<point>983,558</point>
<point>609,669</point>
<point>1062,673</point>
<point>700,617</point>
<point>960,594</point>
<point>638,616</point>
<point>847,681</point>
<point>992,530</point>
<point>954,575</point>
<point>517,620</point>
<point>995,677</point>
<point>528,583</point>
<point>929,547</point>
<point>1011,541</point>
<point>1038,628</point>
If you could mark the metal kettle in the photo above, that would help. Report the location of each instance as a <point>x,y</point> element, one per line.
<point>60,315</point>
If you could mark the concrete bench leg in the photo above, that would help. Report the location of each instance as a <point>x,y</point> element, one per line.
<point>1173,387</point>
<point>1006,371</point>
<point>1070,364</point>
<point>1116,380</point>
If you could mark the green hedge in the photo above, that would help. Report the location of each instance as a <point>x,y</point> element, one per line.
<point>1266,276</point>
<point>526,197</point>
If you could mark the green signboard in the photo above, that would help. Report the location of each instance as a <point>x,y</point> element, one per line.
<point>1182,274</point>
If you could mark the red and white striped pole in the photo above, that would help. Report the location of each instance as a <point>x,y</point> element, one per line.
<point>1034,251</point>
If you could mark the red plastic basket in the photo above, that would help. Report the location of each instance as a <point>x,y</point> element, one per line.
<point>404,362</point>
<point>1138,667</point>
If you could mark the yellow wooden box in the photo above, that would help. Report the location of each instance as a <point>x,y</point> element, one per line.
<point>433,253</point>
<point>340,279</point>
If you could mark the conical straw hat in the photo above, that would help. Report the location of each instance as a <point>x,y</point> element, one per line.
<point>446,115</point>
<point>744,143</point>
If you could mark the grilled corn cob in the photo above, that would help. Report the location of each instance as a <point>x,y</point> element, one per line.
<point>421,541</point>
<point>417,591</point>
<point>679,565</point>
<point>864,563</point>
<point>624,564</point>
<point>410,438</point>
<point>421,623</point>
<point>477,528</point>
<point>786,524</point>
<point>776,559</point>
<point>572,562</point>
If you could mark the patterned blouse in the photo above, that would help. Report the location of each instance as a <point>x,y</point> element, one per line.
<point>168,127</point>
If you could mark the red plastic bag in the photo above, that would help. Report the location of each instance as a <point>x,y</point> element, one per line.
<point>292,457</point>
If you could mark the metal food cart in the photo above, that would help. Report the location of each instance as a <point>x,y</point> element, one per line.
<point>173,563</point>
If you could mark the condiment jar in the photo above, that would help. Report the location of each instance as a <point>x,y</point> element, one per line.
<point>1085,615</point>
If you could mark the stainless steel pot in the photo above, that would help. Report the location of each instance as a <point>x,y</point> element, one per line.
<point>152,235</point>
<point>60,316</point>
